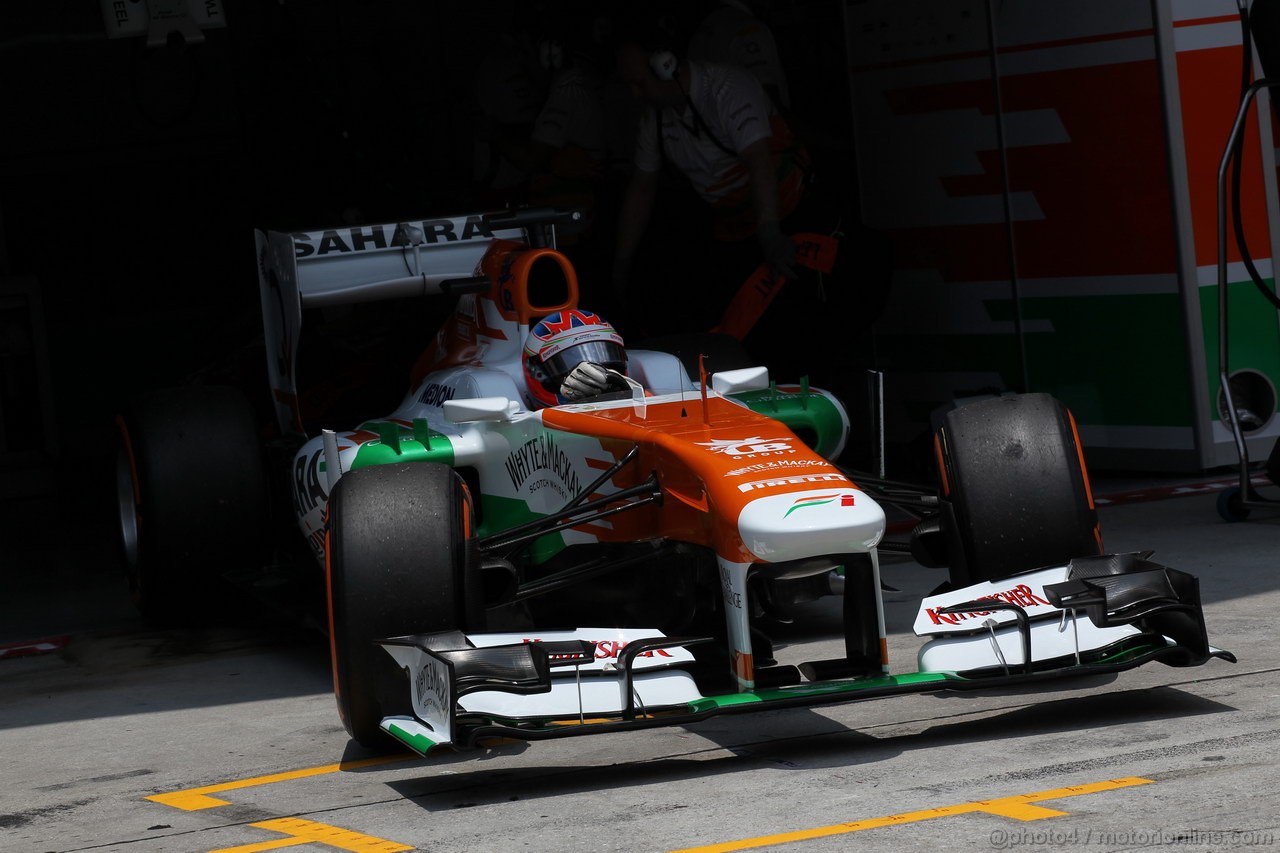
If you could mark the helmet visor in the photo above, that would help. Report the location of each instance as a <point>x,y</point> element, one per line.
<point>561,364</point>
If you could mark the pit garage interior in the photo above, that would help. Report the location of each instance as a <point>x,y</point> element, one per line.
<point>1037,193</point>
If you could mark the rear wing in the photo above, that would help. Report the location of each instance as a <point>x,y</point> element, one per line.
<point>363,263</point>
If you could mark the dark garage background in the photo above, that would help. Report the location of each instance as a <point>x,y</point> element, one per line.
<point>132,177</point>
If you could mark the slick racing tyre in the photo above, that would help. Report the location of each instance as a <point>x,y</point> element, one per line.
<point>397,564</point>
<point>191,495</point>
<point>1014,491</point>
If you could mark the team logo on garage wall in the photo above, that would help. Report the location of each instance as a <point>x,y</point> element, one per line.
<point>818,500</point>
<point>749,448</point>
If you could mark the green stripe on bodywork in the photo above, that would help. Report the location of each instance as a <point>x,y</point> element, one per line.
<point>417,742</point>
<point>1132,653</point>
<point>498,514</point>
<point>913,679</point>
<point>803,505</point>
<point>412,447</point>
<point>800,410</point>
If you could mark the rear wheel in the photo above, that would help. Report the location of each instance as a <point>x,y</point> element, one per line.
<point>397,563</point>
<point>191,497</point>
<point>1015,492</point>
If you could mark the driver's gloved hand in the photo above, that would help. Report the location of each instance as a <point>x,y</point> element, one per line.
<point>589,380</point>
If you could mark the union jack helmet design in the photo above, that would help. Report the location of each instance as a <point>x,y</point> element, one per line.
<point>560,342</point>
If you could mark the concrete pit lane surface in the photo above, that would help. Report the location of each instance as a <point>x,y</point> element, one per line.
<point>119,739</point>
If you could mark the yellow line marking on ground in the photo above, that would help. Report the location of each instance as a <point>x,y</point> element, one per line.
<point>309,832</point>
<point>1019,808</point>
<point>195,799</point>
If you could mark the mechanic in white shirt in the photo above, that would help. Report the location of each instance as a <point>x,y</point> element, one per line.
<point>719,128</point>
<point>731,34</point>
<point>571,114</point>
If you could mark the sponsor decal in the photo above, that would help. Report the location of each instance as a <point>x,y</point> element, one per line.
<point>548,483</point>
<point>436,394</point>
<point>608,650</point>
<point>818,500</point>
<point>541,454</point>
<point>749,448</point>
<point>308,493</point>
<point>776,465</point>
<point>1021,595</point>
<point>431,686</point>
<point>732,597</point>
<point>369,237</point>
<point>467,305</point>
<point>787,481</point>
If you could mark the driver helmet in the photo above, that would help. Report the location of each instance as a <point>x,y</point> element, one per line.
<point>560,342</point>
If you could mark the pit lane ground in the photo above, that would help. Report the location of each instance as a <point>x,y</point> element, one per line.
<point>117,738</point>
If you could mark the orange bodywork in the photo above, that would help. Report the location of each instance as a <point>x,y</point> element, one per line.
<point>468,335</point>
<point>705,470</point>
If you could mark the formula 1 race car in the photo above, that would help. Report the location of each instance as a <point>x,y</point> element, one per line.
<point>497,569</point>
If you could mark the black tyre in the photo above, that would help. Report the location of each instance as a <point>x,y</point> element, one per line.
<point>397,564</point>
<point>1015,493</point>
<point>191,497</point>
<point>1231,506</point>
<point>723,352</point>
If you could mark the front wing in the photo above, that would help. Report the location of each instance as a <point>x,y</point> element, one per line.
<point>1092,617</point>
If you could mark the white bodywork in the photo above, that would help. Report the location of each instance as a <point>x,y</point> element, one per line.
<point>965,641</point>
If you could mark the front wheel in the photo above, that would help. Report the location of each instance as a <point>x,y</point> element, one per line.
<point>397,564</point>
<point>1015,492</point>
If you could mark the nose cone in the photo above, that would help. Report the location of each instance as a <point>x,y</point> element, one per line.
<point>811,523</point>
